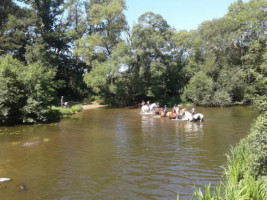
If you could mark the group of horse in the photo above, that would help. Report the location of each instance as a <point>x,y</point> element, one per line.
<point>182,114</point>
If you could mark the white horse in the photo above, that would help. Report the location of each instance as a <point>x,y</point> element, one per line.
<point>187,116</point>
<point>192,117</point>
<point>198,116</point>
<point>147,109</point>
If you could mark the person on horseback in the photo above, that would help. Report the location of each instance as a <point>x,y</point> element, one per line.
<point>174,108</point>
<point>165,110</point>
<point>178,111</point>
<point>148,105</point>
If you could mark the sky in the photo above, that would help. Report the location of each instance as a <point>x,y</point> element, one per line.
<point>180,14</point>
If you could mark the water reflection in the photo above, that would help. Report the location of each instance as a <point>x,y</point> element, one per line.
<point>119,154</point>
<point>152,123</point>
<point>148,123</point>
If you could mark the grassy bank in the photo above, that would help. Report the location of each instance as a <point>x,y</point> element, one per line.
<point>64,112</point>
<point>245,173</point>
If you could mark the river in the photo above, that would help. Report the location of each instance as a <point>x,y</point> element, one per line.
<point>119,154</point>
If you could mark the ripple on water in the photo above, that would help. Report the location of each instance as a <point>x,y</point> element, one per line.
<point>120,154</point>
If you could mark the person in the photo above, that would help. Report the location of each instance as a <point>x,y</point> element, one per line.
<point>174,108</point>
<point>143,103</point>
<point>165,110</point>
<point>178,109</point>
<point>148,106</point>
<point>140,105</point>
<point>62,101</point>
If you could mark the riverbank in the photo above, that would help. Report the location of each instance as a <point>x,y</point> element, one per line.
<point>75,108</point>
<point>92,106</point>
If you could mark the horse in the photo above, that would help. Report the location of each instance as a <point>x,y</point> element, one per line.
<point>187,116</point>
<point>173,115</point>
<point>198,117</point>
<point>150,108</point>
<point>180,113</point>
<point>159,111</point>
<point>193,117</point>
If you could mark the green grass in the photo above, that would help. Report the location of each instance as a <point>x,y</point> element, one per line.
<point>64,112</point>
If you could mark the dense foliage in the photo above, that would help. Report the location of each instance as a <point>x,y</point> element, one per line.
<point>92,51</point>
<point>26,92</point>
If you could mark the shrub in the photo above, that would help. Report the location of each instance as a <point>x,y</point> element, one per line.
<point>26,92</point>
<point>221,98</point>
<point>77,108</point>
<point>261,103</point>
<point>258,147</point>
<point>199,90</point>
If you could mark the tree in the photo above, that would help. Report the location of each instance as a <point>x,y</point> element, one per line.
<point>16,29</point>
<point>157,58</point>
<point>106,22</point>
<point>231,51</point>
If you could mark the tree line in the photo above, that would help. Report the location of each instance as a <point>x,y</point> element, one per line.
<point>86,48</point>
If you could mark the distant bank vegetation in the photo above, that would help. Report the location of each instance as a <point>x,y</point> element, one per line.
<point>81,49</point>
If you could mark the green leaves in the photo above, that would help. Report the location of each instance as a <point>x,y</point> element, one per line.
<point>98,76</point>
<point>231,51</point>
<point>200,90</point>
<point>26,92</point>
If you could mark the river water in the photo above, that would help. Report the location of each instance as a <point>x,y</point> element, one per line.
<point>119,154</point>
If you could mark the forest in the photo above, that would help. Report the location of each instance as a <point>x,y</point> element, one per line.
<point>85,49</point>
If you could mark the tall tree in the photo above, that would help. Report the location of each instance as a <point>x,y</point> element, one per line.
<point>157,58</point>
<point>106,22</point>
<point>17,27</point>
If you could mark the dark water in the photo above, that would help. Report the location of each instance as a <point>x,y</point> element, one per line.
<point>119,154</point>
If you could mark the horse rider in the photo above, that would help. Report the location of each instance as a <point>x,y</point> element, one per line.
<point>148,105</point>
<point>174,108</point>
<point>178,110</point>
<point>142,103</point>
<point>165,110</point>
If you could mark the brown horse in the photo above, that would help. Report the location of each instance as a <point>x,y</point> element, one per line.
<point>179,115</point>
<point>173,115</point>
<point>159,111</point>
<point>162,114</point>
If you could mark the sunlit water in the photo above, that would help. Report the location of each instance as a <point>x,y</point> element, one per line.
<point>119,154</point>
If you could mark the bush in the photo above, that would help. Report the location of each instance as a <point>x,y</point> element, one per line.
<point>12,94</point>
<point>261,104</point>
<point>221,98</point>
<point>258,147</point>
<point>77,108</point>
<point>199,90</point>
<point>26,92</point>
